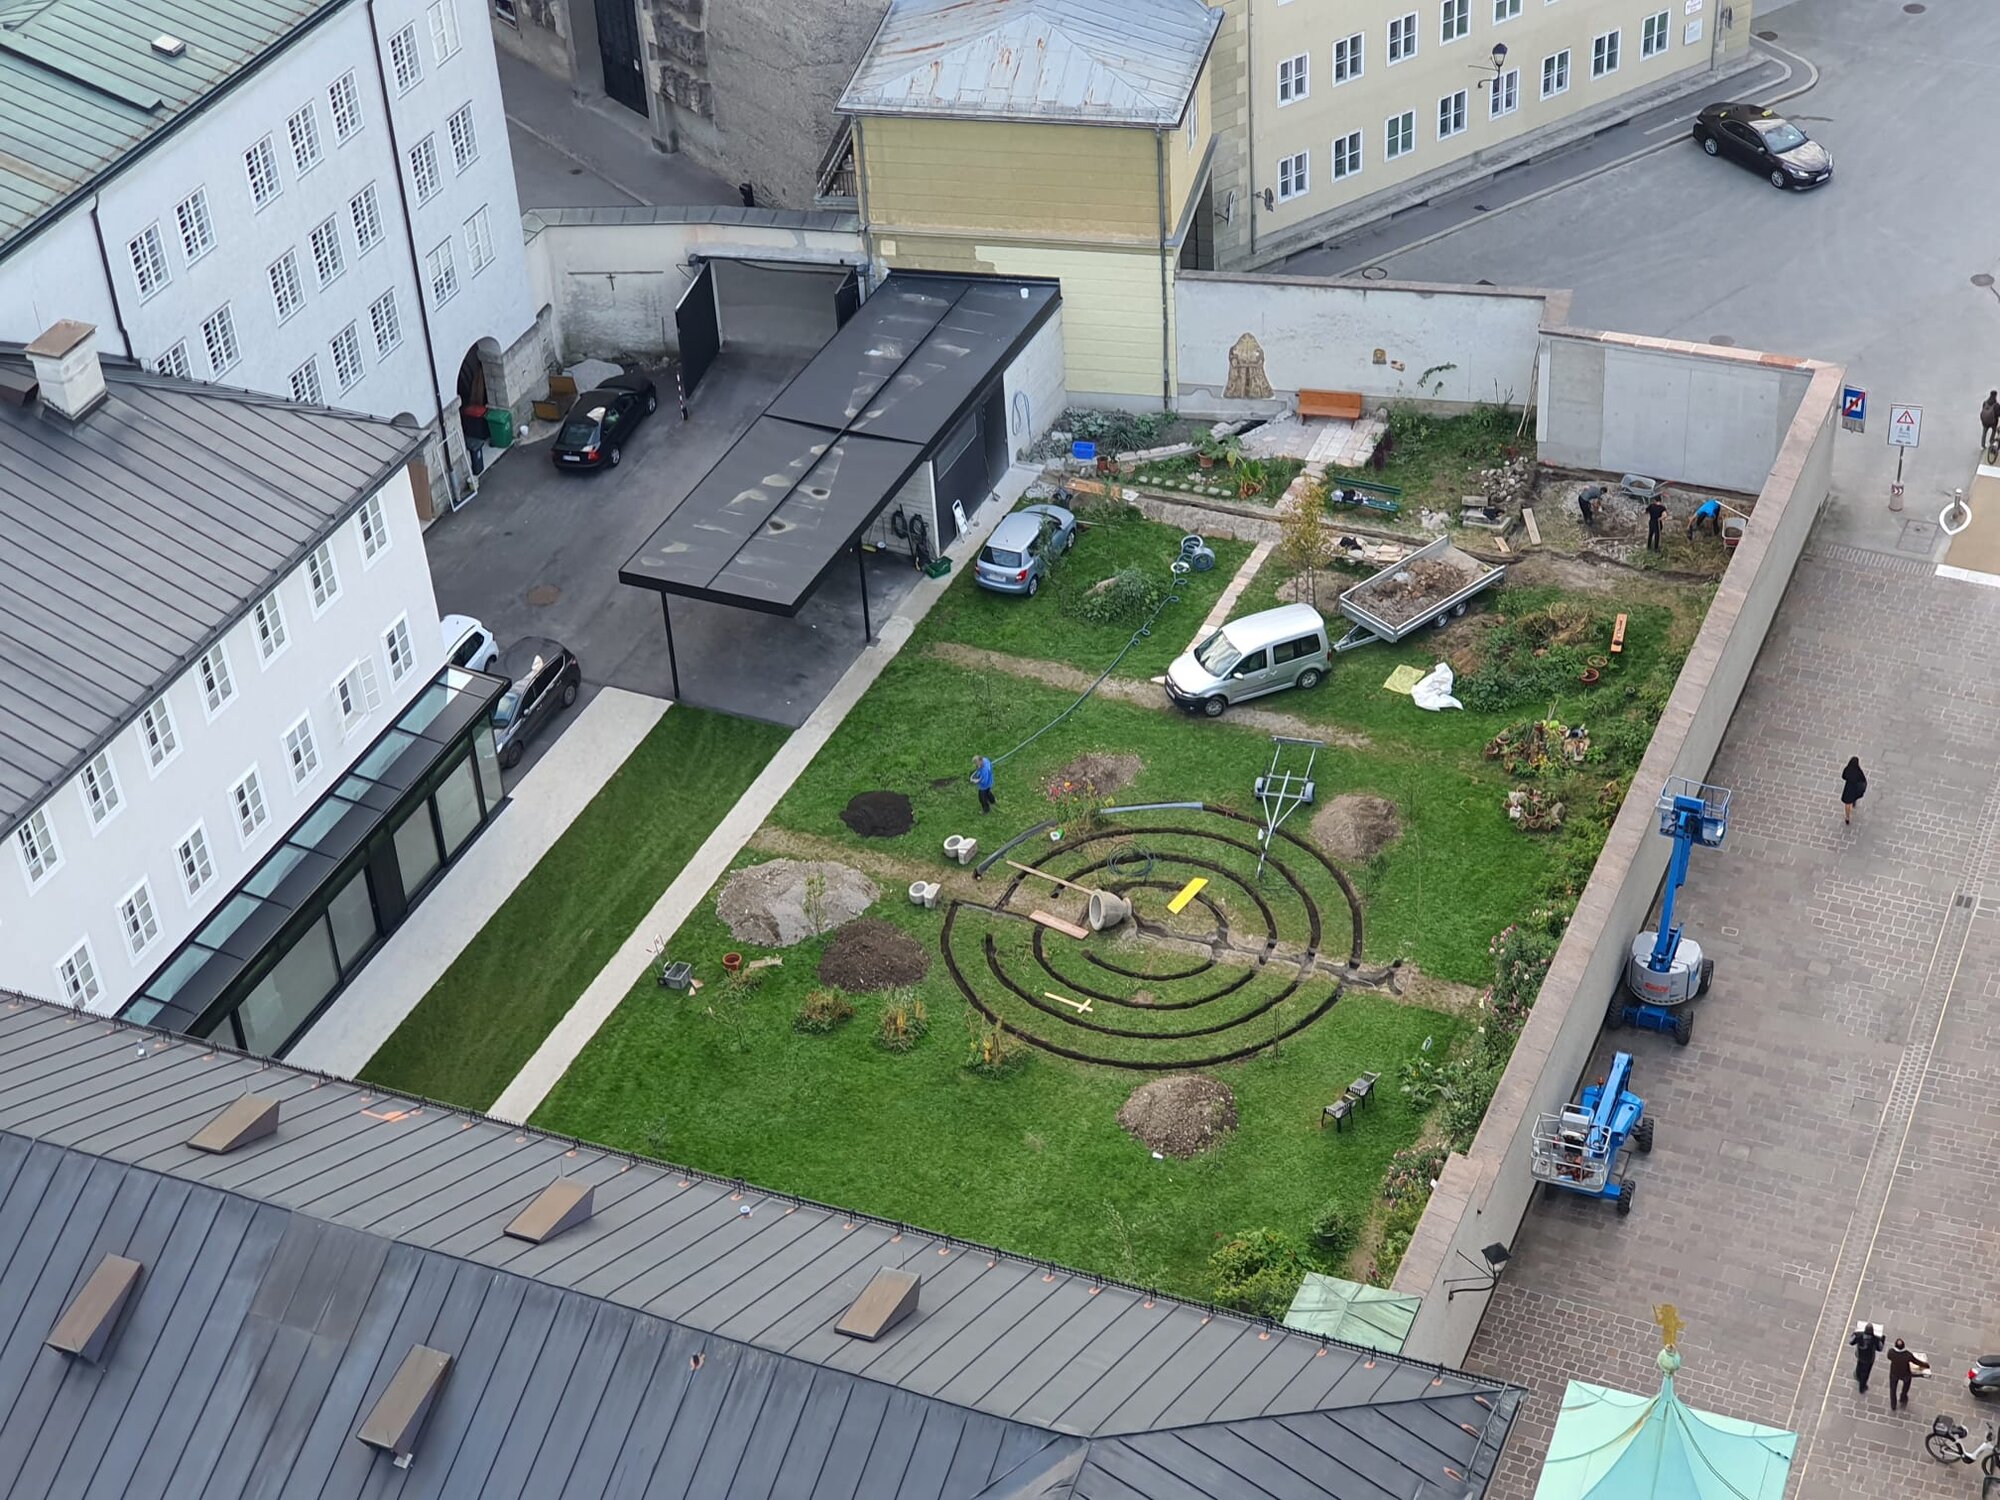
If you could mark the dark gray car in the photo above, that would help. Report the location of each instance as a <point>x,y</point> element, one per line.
<point>1765,142</point>
<point>543,679</point>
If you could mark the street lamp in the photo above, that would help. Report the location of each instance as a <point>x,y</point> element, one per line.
<point>1499,64</point>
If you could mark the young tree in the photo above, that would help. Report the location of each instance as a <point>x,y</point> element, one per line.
<point>1305,544</point>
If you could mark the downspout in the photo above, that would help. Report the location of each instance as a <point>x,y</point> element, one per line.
<point>410,239</point>
<point>110,283</point>
<point>1250,121</point>
<point>1166,292</point>
<point>861,206</point>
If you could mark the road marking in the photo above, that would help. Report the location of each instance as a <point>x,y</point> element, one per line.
<point>1670,124</point>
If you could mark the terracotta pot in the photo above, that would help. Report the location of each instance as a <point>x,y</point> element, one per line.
<point>1206,461</point>
<point>731,962</point>
<point>1589,676</point>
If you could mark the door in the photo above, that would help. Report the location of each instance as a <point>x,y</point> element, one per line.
<point>700,329</point>
<point>1251,677</point>
<point>846,297</point>
<point>618,49</point>
<point>1743,143</point>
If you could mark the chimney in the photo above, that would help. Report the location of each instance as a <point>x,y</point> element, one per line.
<point>66,367</point>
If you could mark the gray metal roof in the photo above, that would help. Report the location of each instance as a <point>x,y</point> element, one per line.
<point>81,85</point>
<point>285,1281</point>
<point>1102,62</point>
<point>131,540</point>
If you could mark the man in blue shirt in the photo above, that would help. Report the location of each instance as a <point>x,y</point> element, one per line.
<point>1710,515</point>
<point>982,777</point>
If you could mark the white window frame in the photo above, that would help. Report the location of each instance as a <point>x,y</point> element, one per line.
<point>344,348</point>
<point>267,623</point>
<point>397,651</point>
<point>217,680</point>
<point>301,747</point>
<point>1350,57</point>
<point>1555,74</point>
<point>479,241</point>
<point>1294,79</point>
<point>78,980</point>
<point>1607,52</point>
<point>328,253</point>
<point>406,62</point>
<point>425,179</point>
<point>1656,34</point>
<point>343,103</point>
<point>1399,135</point>
<point>260,166</point>
<point>39,849</point>
<point>219,329</point>
<point>136,912</point>
<point>156,726</point>
<point>287,286</point>
<point>1454,21</point>
<point>302,130</point>
<point>196,224</point>
<point>194,862</point>
<point>364,211</point>
<point>1454,114</point>
<point>371,528</point>
<point>248,804</point>
<point>1505,96</point>
<point>173,360</point>
<point>1347,148</point>
<point>1505,11</point>
<point>322,578</point>
<point>384,314</point>
<point>97,784</point>
<point>1402,38</point>
<point>356,695</point>
<point>148,253</point>
<point>444,31</point>
<point>441,273</point>
<point>307,388</point>
<point>1294,176</point>
<point>464,137</point>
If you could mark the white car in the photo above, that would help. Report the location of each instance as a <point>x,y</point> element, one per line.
<point>469,644</point>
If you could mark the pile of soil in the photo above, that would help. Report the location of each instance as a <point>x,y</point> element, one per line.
<point>1094,775</point>
<point>879,815</point>
<point>872,955</point>
<point>1181,1116</point>
<point>786,901</point>
<point>1412,591</point>
<point>1354,827</point>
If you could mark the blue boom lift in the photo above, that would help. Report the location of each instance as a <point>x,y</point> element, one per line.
<point>1665,970</point>
<point>1578,1150</point>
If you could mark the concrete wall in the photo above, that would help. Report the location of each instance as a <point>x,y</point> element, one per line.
<point>1034,386</point>
<point>1482,1196</point>
<point>1478,343</point>
<point>1662,412</point>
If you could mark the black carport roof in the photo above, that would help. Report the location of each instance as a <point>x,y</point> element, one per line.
<point>761,529</point>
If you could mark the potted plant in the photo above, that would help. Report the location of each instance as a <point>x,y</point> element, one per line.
<point>1211,449</point>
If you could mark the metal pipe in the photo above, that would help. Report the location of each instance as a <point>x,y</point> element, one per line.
<point>861,206</point>
<point>673,663</point>
<point>1166,292</point>
<point>110,282</point>
<point>1250,122</point>
<point>861,567</point>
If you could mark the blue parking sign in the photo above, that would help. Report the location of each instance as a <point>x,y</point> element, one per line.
<point>1853,407</point>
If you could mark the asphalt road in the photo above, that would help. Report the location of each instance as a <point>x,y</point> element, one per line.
<point>1876,270</point>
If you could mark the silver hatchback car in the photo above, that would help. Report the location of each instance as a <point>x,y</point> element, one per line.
<point>1018,555</point>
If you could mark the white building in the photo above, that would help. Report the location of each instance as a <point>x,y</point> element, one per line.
<point>314,200</point>
<point>216,633</point>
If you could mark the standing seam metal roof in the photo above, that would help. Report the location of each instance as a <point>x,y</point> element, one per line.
<point>678,1342</point>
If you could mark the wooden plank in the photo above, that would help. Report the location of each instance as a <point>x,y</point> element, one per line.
<point>1188,893</point>
<point>1081,1007</point>
<point>1049,920</point>
<point>1501,543</point>
<point>1618,636</point>
<point>1534,531</point>
<point>1031,870</point>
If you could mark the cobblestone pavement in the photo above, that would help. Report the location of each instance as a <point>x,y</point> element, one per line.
<point>1829,1140</point>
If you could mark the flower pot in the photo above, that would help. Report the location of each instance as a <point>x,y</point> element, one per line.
<point>1589,676</point>
<point>1207,461</point>
<point>732,962</point>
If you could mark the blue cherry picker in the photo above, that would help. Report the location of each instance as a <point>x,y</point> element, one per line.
<point>1580,1150</point>
<point>1666,970</point>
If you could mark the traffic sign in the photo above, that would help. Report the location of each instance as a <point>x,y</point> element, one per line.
<point>1905,423</point>
<point>1853,408</point>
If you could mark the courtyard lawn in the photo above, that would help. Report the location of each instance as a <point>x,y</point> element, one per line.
<point>495,1005</point>
<point>1434,458</point>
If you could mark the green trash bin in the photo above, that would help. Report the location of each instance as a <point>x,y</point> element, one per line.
<point>500,426</point>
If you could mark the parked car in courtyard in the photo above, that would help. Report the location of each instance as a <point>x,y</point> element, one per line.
<point>1765,142</point>
<point>1247,658</point>
<point>1983,1379</point>
<point>1019,554</point>
<point>469,644</point>
<point>543,680</point>
<point>597,428</point>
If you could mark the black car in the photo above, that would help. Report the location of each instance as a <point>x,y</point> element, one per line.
<point>543,680</point>
<point>602,421</point>
<point>1765,142</point>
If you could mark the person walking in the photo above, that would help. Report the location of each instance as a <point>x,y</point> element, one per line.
<point>1989,420</point>
<point>1867,1342</point>
<point>1903,1364</point>
<point>1656,512</point>
<point>982,777</point>
<point>1853,787</point>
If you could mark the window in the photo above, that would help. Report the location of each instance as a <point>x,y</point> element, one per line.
<point>373,527</point>
<point>288,293</point>
<point>443,273</point>
<point>1506,95</point>
<point>424,169</point>
<point>149,261</point>
<point>321,575</point>
<point>464,140</point>
<point>1347,58</point>
<point>396,647</point>
<point>157,736</point>
<point>343,100</point>
<point>1451,114</point>
<point>367,216</point>
<point>1346,155</point>
<point>444,29</point>
<point>247,797</point>
<point>260,164</point>
<point>408,66</point>
<point>218,336</point>
<point>303,131</point>
<point>1292,78</point>
<point>346,351</point>
<point>301,754</point>
<point>388,326</point>
<point>192,856</point>
<point>197,229</point>
<point>1454,20</point>
<point>136,918</point>
<point>1604,55</point>
<point>40,856</point>
<point>305,383</point>
<point>99,784</point>
<point>356,695</point>
<point>1505,10</point>
<point>1654,38</point>
<point>478,242</point>
<point>1399,136</point>
<point>328,258</point>
<point>1192,128</point>
<point>78,975</point>
<point>217,686</point>
<point>175,362</point>
<point>1555,73</point>
<point>1294,175</point>
<point>506,11</point>
<point>1403,37</point>
<point>269,619</point>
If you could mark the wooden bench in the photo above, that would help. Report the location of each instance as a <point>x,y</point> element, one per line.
<point>1618,636</point>
<point>1343,404</point>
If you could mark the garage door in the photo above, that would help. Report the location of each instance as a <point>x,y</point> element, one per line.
<point>700,329</point>
<point>964,462</point>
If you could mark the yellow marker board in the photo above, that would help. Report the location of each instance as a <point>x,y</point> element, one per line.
<point>1188,893</point>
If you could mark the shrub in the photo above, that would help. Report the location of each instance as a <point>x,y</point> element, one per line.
<point>1466,1105</point>
<point>904,1022</point>
<point>1397,1230</point>
<point>1115,431</point>
<point>1411,1172</point>
<point>1257,1271</point>
<point>1334,1229</point>
<point>1620,742</point>
<point>823,1011</point>
<point>995,1051</point>
<point>1127,594</point>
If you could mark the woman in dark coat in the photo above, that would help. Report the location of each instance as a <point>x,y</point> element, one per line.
<point>1853,785</point>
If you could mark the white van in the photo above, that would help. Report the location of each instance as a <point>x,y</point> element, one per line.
<point>1247,658</point>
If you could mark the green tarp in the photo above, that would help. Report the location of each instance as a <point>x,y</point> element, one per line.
<point>1366,1316</point>
<point>1612,1445</point>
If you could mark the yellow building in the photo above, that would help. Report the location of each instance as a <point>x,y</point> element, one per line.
<point>1056,138</point>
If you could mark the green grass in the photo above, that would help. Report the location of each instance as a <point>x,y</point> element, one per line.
<point>493,1007</point>
<point>1274,476</point>
<point>1434,458</point>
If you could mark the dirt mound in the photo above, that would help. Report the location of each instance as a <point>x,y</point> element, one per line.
<point>786,901</point>
<point>1354,827</point>
<point>1412,591</point>
<point>872,955</point>
<point>1094,775</point>
<point>879,815</point>
<point>1180,1116</point>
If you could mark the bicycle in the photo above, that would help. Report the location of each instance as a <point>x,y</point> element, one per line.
<point>1946,1444</point>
